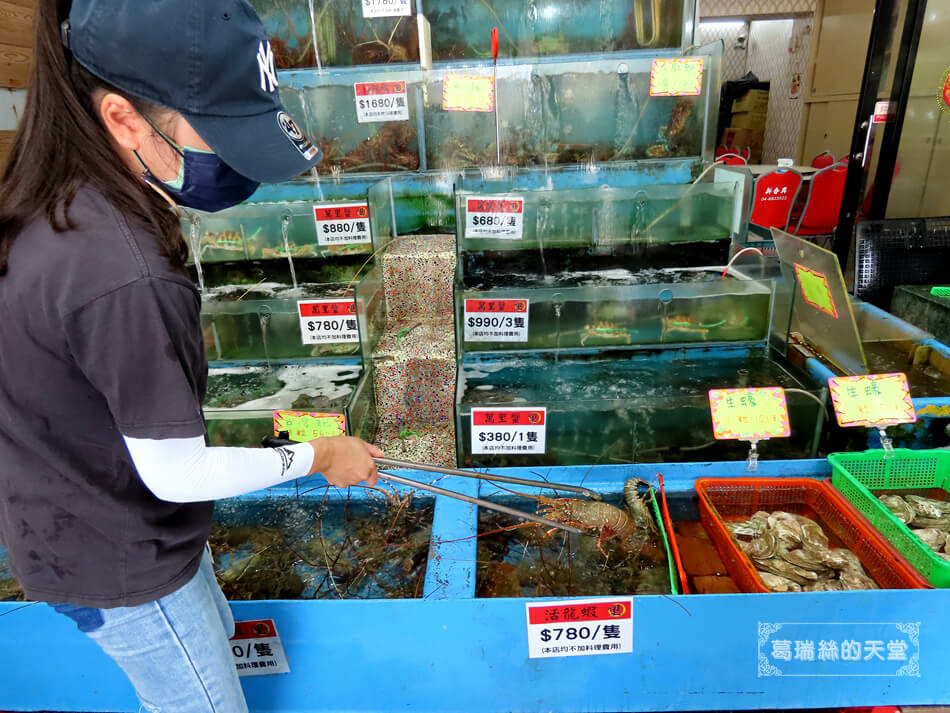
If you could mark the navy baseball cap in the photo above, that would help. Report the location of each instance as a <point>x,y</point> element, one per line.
<point>209,60</point>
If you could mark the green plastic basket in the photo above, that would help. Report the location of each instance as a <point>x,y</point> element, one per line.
<point>857,474</point>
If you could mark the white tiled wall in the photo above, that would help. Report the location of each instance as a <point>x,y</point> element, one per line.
<point>746,8</point>
<point>734,58</point>
<point>776,50</point>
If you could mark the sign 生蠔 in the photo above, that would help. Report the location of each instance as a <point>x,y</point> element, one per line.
<point>305,426</point>
<point>749,414</point>
<point>872,400</point>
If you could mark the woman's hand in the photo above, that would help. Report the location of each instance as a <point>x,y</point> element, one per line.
<point>345,461</point>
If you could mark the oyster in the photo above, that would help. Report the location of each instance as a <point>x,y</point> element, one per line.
<point>813,537</point>
<point>832,585</point>
<point>928,507</point>
<point>787,570</point>
<point>777,583</point>
<point>753,527</point>
<point>763,546</point>
<point>806,559</point>
<point>856,579</point>
<point>787,529</point>
<point>934,539</point>
<point>899,507</point>
<point>939,523</point>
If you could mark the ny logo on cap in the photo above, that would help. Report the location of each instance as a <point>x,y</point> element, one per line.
<point>265,63</point>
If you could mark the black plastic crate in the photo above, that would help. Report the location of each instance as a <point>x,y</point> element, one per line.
<point>896,252</point>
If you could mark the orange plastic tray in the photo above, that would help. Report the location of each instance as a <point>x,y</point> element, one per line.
<point>724,500</point>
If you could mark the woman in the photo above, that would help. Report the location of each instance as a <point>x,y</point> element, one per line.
<point>106,481</point>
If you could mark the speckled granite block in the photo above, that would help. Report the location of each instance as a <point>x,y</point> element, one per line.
<point>415,372</point>
<point>417,274</point>
<point>418,442</point>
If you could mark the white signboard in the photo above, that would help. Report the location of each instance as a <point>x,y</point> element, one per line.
<point>580,627</point>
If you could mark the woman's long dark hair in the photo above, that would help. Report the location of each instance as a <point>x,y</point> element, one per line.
<point>61,145</point>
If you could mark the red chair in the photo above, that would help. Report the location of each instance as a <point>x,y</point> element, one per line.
<point>746,153</point>
<point>773,197</point>
<point>823,160</point>
<point>732,159</point>
<point>820,215</point>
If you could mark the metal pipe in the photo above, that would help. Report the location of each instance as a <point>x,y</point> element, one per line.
<point>392,477</point>
<point>391,463</point>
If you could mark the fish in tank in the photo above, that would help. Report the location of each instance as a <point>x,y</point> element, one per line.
<point>373,545</point>
<point>641,406</point>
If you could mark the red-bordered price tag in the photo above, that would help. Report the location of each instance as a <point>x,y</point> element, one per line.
<point>580,627</point>
<point>499,217</point>
<point>257,649</point>
<point>509,430</point>
<point>342,223</point>
<point>381,101</point>
<point>328,321</point>
<point>496,320</point>
<point>872,400</point>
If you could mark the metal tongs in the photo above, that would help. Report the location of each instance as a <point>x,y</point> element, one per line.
<point>283,440</point>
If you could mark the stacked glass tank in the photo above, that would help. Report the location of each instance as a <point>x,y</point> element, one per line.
<point>626,263</point>
<point>613,314</point>
<point>290,326</point>
<point>334,33</point>
<point>544,112</point>
<point>364,119</point>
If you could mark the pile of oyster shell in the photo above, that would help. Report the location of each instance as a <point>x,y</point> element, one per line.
<point>792,554</point>
<point>927,518</point>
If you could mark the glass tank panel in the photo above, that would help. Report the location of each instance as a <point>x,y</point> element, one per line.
<point>240,401</point>
<point>332,108</point>
<point>545,118</point>
<point>650,406</point>
<point>821,311</point>
<point>571,229</point>
<point>340,31</point>
<point>323,545</point>
<point>417,203</point>
<point>260,322</point>
<point>460,30</point>
<point>617,308</point>
<point>362,417</point>
<point>281,219</point>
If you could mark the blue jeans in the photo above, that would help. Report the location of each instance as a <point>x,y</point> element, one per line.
<point>174,650</point>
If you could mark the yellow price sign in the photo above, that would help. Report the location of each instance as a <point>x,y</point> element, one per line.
<point>676,77</point>
<point>305,426</point>
<point>468,92</point>
<point>749,414</point>
<point>815,290</point>
<point>872,400</point>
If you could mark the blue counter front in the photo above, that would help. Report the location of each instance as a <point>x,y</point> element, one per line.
<point>449,651</point>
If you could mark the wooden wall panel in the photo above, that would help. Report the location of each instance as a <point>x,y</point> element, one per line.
<point>14,66</point>
<point>6,143</point>
<point>16,24</point>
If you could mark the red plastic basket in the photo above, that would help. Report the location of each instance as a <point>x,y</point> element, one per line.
<point>724,500</point>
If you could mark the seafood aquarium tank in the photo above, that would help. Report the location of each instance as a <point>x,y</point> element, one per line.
<point>518,257</point>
